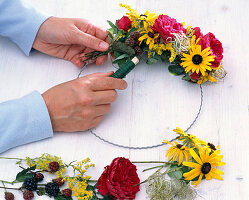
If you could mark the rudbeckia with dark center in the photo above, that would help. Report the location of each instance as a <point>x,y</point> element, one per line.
<point>204,166</point>
<point>177,150</point>
<point>197,60</point>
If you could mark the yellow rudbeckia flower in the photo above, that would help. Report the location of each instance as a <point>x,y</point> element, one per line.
<point>177,150</point>
<point>204,166</point>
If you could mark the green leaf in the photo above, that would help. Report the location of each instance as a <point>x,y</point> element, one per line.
<point>176,70</point>
<point>90,187</point>
<point>62,197</point>
<point>117,54</point>
<point>24,174</point>
<point>123,48</point>
<point>107,197</point>
<point>151,61</point>
<point>110,36</point>
<point>32,168</point>
<point>185,169</point>
<point>111,24</point>
<point>114,29</point>
<point>176,174</point>
<point>164,56</point>
<point>186,77</point>
<point>121,57</point>
<point>40,191</point>
<point>23,177</point>
<point>158,57</point>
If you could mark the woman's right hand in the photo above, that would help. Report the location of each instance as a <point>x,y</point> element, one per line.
<point>80,104</point>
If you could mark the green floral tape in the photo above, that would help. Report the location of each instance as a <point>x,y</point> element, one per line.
<point>125,68</point>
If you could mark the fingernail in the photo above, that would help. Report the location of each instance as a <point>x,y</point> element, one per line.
<point>125,85</point>
<point>103,45</point>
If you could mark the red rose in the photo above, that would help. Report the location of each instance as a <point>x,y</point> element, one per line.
<point>118,180</point>
<point>195,76</point>
<point>124,23</point>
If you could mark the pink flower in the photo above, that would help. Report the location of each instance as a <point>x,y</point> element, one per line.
<point>166,25</point>
<point>124,23</point>
<point>215,45</point>
<point>198,32</point>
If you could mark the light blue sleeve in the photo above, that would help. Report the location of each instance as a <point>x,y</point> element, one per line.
<point>20,23</point>
<point>23,121</point>
<point>27,119</point>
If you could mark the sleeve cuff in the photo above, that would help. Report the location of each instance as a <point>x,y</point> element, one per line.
<point>38,117</point>
<point>24,121</point>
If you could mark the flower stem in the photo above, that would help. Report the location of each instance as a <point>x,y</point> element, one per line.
<point>92,181</point>
<point>153,168</point>
<point>152,162</point>
<point>4,186</point>
<point>11,158</point>
<point>12,183</point>
<point>10,188</point>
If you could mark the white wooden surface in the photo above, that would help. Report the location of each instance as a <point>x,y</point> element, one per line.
<point>155,101</point>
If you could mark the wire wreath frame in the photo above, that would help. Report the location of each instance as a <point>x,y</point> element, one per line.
<point>149,146</point>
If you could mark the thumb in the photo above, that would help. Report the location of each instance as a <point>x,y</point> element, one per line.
<point>91,41</point>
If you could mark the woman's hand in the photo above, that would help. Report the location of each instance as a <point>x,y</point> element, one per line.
<point>70,38</point>
<point>80,104</point>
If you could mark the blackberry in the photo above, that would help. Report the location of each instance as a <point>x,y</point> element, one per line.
<point>137,43</point>
<point>157,40</point>
<point>30,184</point>
<point>138,50</point>
<point>58,181</point>
<point>38,177</point>
<point>52,189</point>
<point>130,42</point>
<point>9,196</point>
<point>151,34</point>
<point>67,192</point>
<point>28,195</point>
<point>54,166</point>
<point>135,35</point>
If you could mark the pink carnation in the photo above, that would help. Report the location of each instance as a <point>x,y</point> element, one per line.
<point>198,32</point>
<point>166,25</point>
<point>215,45</point>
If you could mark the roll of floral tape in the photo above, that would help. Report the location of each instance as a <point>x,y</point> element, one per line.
<point>126,68</point>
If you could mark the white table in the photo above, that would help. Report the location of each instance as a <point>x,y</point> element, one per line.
<point>155,101</point>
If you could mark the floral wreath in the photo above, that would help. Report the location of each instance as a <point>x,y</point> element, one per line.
<point>198,58</point>
<point>156,38</point>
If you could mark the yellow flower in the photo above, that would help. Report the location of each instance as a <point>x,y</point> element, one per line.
<point>149,36</point>
<point>177,150</point>
<point>204,166</point>
<point>206,77</point>
<point>147,18</point>
<point>190,31</point>
<point>188,139</point>
<point>171,51</point>
<point>197,60</point>
<point>159,48</point>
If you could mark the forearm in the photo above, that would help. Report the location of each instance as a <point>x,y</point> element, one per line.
<point>23,121</point>
<point>20,23</point>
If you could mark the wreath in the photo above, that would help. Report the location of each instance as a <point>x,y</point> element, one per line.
<point>157,38</point>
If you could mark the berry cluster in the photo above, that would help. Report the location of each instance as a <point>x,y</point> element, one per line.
<point>51,188</point>
<point>133,42</point>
